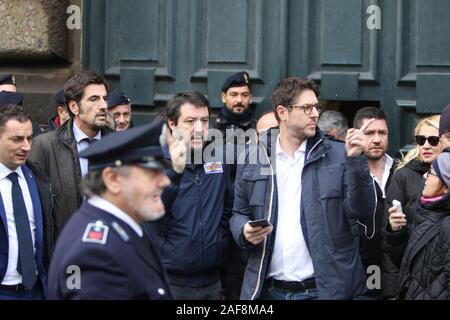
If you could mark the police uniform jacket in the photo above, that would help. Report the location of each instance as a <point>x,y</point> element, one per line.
<point>113,261</point>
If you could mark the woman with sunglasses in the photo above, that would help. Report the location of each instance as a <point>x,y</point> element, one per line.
<point>407,184</point>
<point>425,262</point>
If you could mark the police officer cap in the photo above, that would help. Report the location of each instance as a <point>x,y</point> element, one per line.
<point>7,79</point>
<point>238,79</point>
<point>117,98</point>
<point>59,97</point>
<point>139,146</point>
<point>7,97</point>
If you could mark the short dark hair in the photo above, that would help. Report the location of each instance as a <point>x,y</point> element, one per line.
<point>193,97</point>
<point>74,87</point>
<point>368,113</point>
<point>287,91</point>
<point>12,111</point>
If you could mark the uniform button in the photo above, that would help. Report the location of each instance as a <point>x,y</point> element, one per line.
<point>161,291</point>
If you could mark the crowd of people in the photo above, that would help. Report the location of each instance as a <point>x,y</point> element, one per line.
<point>293,205</point>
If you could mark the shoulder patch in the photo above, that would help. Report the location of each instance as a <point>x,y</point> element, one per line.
<point>122,233</point>
<point>96,232</point>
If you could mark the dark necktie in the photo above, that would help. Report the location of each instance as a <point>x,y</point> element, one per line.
<point>89,140</point>
<point>26,264</point>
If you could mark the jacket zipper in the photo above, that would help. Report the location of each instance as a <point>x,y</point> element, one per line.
<point>269,214</point>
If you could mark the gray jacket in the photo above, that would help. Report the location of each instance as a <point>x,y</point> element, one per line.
<point>335,188</point>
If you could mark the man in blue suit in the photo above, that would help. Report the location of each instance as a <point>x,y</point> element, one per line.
<point>103,251</point>
<point>26,227</point>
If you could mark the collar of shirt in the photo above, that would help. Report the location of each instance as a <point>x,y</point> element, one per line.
<point>388,162</point>
<point>80,135</point>
<point>4,171</point>
<point>111,208</point>
<point>298,153</point>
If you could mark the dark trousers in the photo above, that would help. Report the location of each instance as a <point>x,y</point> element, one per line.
<point>211,292</point>
<point>37,293</point>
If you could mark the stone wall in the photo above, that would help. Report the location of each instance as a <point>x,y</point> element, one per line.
<point>37,46</point>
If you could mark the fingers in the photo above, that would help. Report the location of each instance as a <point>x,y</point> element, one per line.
<point>364,127</point>
<point>397,220</point>
<point>255,235</point>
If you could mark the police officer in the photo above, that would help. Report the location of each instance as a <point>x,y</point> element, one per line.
<point>238,109</point>
<point>103,252</point>
<point>119,105</point>
<point>61,113</point>
<point>8,83</point>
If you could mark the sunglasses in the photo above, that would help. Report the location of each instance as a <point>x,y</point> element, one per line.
<point>432,140</point>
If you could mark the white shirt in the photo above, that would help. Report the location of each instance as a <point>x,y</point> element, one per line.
<point>388,162</point>
<point>81,145</point>
<point>12,277</point>
<point>111,208</point>
<point>291,260</point>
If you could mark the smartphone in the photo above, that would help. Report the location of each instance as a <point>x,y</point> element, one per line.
<point>260,223</point>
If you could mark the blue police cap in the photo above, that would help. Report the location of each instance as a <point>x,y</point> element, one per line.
<point>139,146</point>
<point>117,98</point>
<point>59,97</point>
<point>7,79</point>
<point>238,79</point>
<point>7,97</point>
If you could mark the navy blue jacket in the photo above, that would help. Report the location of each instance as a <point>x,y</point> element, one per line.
<point>335,188</point>
<point>193,233</point>
<point>42,203</point>
<point>126,266</point>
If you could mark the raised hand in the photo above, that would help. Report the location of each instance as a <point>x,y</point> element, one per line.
<point>356,140</point>
<point>177,142</point>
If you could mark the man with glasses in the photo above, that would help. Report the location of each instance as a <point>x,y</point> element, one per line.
<point>444,127</point>
<point>307,186</point>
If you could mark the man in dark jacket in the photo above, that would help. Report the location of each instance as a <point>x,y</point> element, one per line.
<point>381,168</point>
<point>56,152</point>
<point>61,113</point>
<point>26,225</point>
<point>308,187</point>
<point>238,110</point>
<point>192,234</point>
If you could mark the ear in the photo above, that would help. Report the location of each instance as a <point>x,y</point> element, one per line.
<point>282,113</point>
<point>112,181</point>
<point>74,108</point>
<point>172,125</point>
<point>223,96</point>
<point>251,99</point>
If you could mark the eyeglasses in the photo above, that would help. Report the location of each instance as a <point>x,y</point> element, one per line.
<point>307,108</point>
<point>432,140</point>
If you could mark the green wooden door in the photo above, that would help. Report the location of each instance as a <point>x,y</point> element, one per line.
<point>397,57</point>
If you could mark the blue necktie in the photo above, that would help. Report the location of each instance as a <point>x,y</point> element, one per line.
<point>26,265</point>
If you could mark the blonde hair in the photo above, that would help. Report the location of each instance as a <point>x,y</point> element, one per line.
<point>432,121</point>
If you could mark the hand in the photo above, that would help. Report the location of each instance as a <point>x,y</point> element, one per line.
<point>255,235</point>
<point>177,148</point>
<point>356,140</point>
<point>397,220</point>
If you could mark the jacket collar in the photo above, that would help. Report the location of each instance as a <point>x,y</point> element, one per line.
<point>269,140</point>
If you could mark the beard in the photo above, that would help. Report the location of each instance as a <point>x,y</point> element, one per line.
<point>375,156</point>
<point>146,213</point>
